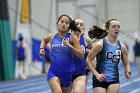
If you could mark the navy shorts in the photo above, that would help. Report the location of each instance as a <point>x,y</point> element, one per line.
<point>74,76</point>
<point>21,58</point>
<point>64,77</point>
<point>87,71</point>
<point>79,71</point>
<point>102,84</point>
<point>47,59</point>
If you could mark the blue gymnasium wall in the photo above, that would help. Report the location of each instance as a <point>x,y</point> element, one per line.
<point>35,50</point>
<point>14,52</point>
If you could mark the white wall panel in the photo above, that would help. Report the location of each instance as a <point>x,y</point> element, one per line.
<point>40,18</point>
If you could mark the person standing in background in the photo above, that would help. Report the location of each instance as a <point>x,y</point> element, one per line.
<point>21,47</point>
<point>136,51</point>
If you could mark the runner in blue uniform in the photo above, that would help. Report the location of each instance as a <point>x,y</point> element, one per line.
<point>109,52</point>
<point>63,45</point>
<point>79,75</point>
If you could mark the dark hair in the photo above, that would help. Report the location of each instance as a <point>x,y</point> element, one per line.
<point>97,32</point>
<point>74,26</point>
<point>107,24</point>
<point>72,22</point>
<point>21,38</point>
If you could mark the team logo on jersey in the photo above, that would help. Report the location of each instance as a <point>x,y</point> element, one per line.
<point>65,39</point>
<point>114,57</point>
<point>59,43</point>
<point>83,48</point>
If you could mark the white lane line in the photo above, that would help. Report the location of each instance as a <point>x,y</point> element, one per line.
<point>133,74</point>
<point>129,82</point>
<point>135,91</point>
<point>47,91</point>
<point>23,86</point>
<point>30,90</point>
<point>22,82</point>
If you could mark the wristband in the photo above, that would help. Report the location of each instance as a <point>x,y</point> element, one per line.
<point>41,48</point>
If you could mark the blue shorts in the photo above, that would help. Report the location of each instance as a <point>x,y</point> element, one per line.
<point>64,77</point>
<point>102,84</point>
<point>80,70</point>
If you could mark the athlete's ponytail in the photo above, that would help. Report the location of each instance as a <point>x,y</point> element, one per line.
<point>97,32</point>
<point>73,26</point>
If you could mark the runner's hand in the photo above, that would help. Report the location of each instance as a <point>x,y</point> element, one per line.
<point>100,77</point>
<point>42,53</point>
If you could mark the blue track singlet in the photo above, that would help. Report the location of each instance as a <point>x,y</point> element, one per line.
<point>108,59</point>
<point>61,55</point>
<point>80,63</point>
